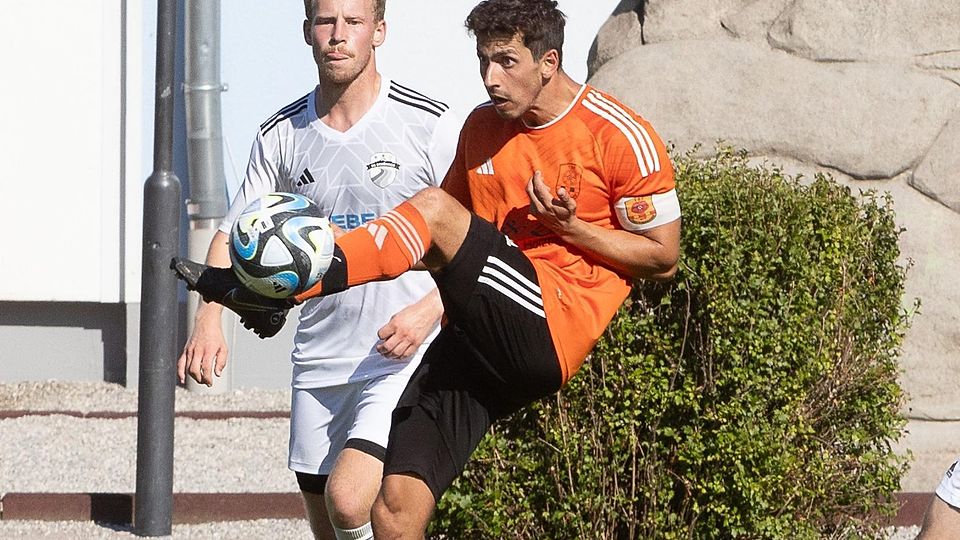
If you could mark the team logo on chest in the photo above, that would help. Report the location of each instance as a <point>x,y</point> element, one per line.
<point>383,169</point>
<point>569,178</point>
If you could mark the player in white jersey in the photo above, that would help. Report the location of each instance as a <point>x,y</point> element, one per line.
<point>942,521</point>
<point>358,145</point>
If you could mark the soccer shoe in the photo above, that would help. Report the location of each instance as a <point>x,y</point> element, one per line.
<point>265,316</point>
<point>264,324</point>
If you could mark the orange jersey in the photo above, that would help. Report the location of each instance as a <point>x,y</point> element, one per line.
<point>608,158</point>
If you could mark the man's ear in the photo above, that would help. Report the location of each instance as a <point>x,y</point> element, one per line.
<point>379,33</point>
<point>307,33</point>
<point>549,63</point>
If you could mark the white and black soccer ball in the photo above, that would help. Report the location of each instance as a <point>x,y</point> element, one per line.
<point>281,245</point>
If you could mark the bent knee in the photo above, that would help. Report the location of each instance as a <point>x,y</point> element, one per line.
<point>436,205</point>
<point>346,509</point>
<point>386,518</point>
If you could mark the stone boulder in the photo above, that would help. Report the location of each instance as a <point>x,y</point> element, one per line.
<point>843,30</point>
<point>671,20</point>
<point>938,174</point>
<point>753,22</point>
<point>621,32</point>
<point>851,117</point>
<point>865,90</point>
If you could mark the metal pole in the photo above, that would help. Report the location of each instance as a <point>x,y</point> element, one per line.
<point>158,323</point>
<point>202,88</point>
<point>208,197</point>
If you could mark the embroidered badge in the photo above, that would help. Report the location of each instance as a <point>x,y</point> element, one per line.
<point>383,169</point>
<point>569,178</point>
<point>640,210</point>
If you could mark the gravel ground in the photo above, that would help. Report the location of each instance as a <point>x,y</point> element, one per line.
<point>99,396</point>
<point>263,528</point>
<point>64,454</point>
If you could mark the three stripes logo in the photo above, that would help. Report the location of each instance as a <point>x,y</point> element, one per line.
<point>411,97</point>
<point>636,134</point>
<point>486,168</point>
<point>293,109</point>
<point>513,285</point>
<point>305,178</point>
<point>405,233</point>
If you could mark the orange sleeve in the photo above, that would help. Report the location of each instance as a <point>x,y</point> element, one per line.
<point>455,182</point>
<point>635,160</point>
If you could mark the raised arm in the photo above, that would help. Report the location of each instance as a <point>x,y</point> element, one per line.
<point>647,254</point>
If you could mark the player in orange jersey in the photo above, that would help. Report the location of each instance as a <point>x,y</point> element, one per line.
<point>559,196</point>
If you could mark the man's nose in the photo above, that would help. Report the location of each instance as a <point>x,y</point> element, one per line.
<point>338,29</point>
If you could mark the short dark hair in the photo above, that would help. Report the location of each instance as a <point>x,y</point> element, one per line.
<point>379,8</point>
<point>538,22</point>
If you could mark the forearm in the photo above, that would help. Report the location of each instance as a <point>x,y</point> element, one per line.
<point>218,255</point>
<point>641,256</point>
<point>432,306</point>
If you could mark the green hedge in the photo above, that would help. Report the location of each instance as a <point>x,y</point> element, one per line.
<point>755,396</point>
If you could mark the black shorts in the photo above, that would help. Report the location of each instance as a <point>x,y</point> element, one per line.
<point>493,357</point>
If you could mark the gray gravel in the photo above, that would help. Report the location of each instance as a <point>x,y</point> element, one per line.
<point>65,454</point>
<point>99,396</point>
<point>262,528</point>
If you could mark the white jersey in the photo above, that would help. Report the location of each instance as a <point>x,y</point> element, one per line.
<point>404,143</point>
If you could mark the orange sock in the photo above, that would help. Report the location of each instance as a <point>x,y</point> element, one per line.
<point>381,249</point>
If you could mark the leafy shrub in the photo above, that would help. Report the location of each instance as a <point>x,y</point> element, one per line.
<point>755,396</point>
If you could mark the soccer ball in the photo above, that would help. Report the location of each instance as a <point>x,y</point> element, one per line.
<point>281,245</point>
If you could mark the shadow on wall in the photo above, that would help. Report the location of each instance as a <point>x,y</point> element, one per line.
<point>63,340</point>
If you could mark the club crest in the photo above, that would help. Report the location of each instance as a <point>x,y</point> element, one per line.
<point>640,210</point>
<point>569,178</point>
<point>383,169</point>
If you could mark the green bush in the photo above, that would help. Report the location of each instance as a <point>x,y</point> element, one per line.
<point>755,396</point>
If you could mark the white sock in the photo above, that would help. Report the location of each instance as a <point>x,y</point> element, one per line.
<point>363,532</point>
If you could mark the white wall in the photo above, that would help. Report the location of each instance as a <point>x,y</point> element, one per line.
<point>61,174</point>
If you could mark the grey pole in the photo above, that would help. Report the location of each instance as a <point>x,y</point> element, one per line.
<point>208,198</point>
<point>158,322</point>
<point>202,88</point>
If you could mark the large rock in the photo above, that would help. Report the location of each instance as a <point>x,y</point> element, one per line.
<point>669,20</point>
<point>867,29</point>
<point>930,361</point>
<point>851,117</point>
<point>621,32</point>
<point>753,22</point>
<point>938,175</point>
<point>928,248</point>
<point>878,101</point>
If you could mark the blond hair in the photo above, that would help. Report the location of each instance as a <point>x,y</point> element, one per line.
<point>379,8</point>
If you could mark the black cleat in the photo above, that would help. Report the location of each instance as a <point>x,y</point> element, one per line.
<point>264,324</point>
<point>265,316</point>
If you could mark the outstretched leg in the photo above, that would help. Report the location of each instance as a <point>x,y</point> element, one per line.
<point>429,228</point>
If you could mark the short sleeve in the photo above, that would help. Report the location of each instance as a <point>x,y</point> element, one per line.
<point>261,177</point>
<point>636,166</point>
<point>455,181</point>
<point>443,145</point>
